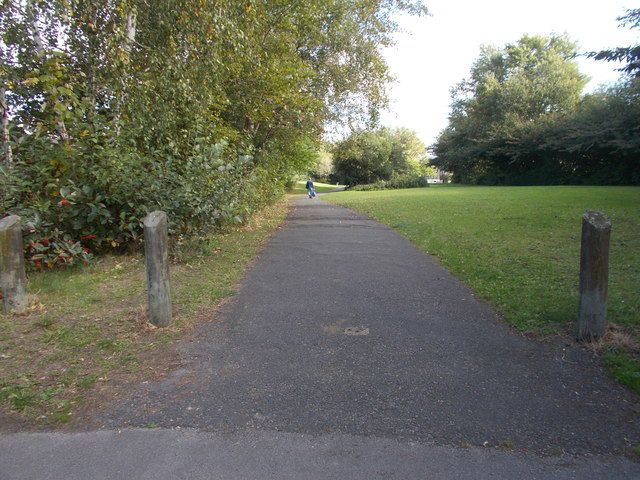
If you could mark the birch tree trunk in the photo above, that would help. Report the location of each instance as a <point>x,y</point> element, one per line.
<point>131,31</point>
<point>126,45</point>
<point>6,140</point>
<point>37,38</point>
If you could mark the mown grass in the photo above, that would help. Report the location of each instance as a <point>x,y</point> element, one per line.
<point>87,325</point>
<point>519,248</point>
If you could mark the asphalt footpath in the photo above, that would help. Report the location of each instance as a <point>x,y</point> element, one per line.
<point>348,353</point>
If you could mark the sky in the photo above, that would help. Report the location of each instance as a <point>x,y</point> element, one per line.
<point>435,53</point>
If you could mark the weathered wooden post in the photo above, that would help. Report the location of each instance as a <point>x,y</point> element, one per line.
<point>13,281</point>
<point>157,263</point>
<point>594,271</point>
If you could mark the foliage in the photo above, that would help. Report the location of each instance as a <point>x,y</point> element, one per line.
<point>630,55</point>
<point>370,156</point>
<point>520,120</point>
<point>59,251</point>
<point>323,167</point>
<point>596,143</point>
<point>201,108</point>
<point>599,143</point>
<point>499,109</point>
<point>396,182</point>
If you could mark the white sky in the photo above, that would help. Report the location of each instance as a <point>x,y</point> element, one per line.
<point>438,51</point>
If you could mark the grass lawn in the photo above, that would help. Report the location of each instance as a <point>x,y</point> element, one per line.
<point>89,324</point>
<point>519,248</point>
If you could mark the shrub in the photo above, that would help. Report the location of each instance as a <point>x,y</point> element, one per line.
<point>56,251</point>
<point>396,182</point>
<point>99,200</point>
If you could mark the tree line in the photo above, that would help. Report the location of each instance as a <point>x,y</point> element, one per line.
<point>521,119</point>
<point>201,108</point>
<point>378,156</point>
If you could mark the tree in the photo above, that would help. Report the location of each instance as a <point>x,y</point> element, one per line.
<point>322,169</point>
<point>209,103</point>
<point>374,155</point>
<point>600,142</point>
<point>508,92</point>
<point>630,55</point>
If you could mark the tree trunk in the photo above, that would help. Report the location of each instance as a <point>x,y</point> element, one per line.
<point>126,45</point>
<point>131,31</point>
<point>6,139</point>
<point>37,38</point>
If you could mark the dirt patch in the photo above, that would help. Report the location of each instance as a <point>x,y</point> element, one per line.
<point>617,338</point>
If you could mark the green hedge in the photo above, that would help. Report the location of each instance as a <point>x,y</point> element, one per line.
<point>398,182</point>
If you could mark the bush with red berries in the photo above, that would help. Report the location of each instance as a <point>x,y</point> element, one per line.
<point>57,251</point>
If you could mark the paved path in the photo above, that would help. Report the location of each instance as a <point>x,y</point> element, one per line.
<point>349,353</point>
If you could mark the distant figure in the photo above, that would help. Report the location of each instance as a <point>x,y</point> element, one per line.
<point>310,190</point>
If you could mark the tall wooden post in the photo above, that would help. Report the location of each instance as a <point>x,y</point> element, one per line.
<point>13,281</point>
<point>157,262</point>
<point>594,272</point>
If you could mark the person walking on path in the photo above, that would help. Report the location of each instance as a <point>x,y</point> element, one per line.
<point>310,189</point>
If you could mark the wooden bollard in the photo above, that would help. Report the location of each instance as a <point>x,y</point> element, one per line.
<point>13,281</point>
<point>157,262</point>
<point>594,272</point>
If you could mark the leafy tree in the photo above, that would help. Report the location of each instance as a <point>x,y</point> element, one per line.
<point>630,55</point>
<point>203,108</point>
<point>508,92</point>
<point>375,155</point>
<point>322,169</point>
<point>600,142</point>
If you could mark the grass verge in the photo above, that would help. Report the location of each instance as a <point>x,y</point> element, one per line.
<point>519,249</point>
<point>86,325</point>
